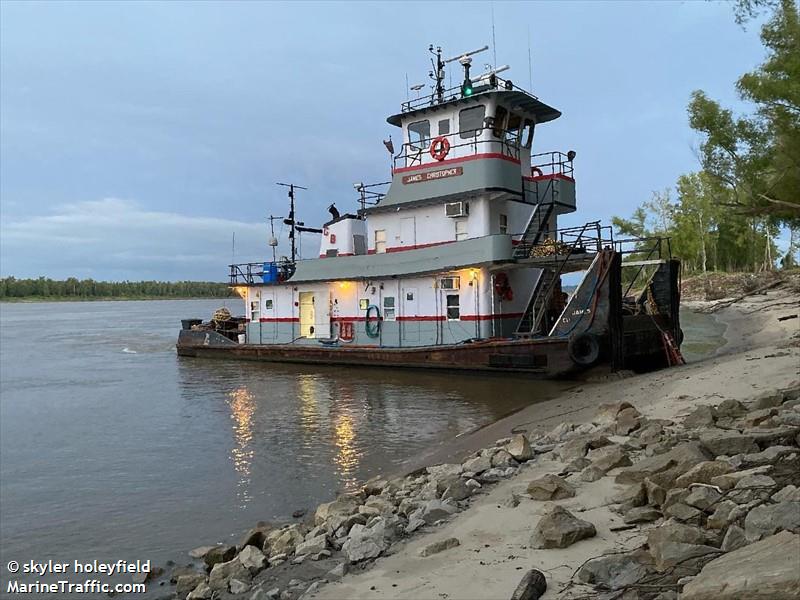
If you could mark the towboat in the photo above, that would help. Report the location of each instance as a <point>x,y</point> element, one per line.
<point>458,261</point>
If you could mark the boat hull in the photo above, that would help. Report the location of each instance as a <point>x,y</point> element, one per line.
<point>546,357</point>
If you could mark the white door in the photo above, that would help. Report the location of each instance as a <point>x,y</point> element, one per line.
<point>410,312</point>
<point>408,232</point>
<point>269,324</point>
<point>322,315</point>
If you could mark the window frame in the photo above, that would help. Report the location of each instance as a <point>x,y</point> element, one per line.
<point>424,141</point>
<point>461,235</point>
<point>500,117</point>
<point>526,133</point>
<point>449,306</point>
<point>439,127</point>
<point>255,310</point>
<point>389,312</point>
<point>474,132</point>
<point>502,222</point>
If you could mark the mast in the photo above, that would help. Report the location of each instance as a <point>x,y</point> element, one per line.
<point>292,221</point>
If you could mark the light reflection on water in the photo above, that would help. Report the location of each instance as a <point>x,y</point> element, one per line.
<point>148,454</point>
<point>242,408</point>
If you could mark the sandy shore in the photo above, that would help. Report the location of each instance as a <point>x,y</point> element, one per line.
<point>762,354</point>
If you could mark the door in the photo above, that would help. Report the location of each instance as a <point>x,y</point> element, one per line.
<point>322,315</point>
<point>408,232</point>
<point>307,314</point>
<point>269,324</point>
<point>410,323</point>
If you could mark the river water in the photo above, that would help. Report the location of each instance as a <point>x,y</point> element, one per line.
<point>112,447</point>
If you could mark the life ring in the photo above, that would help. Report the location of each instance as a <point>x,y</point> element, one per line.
<point>502,287</point>
<point>584,349</point>
<point>536,172</point>
<point>440,146</point>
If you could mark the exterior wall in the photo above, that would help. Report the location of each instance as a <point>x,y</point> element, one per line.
<point>338,237</point>
<point>420,310</point>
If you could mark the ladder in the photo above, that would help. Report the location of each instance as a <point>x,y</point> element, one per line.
<point>534,230</point>
<point>534,314</point>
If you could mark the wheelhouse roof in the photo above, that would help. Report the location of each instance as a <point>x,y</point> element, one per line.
<point>515,100</point>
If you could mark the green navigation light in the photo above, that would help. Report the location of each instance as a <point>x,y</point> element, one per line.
<point>466,88</point>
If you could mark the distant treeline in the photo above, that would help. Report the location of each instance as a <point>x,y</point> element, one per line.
<point>85,289</point>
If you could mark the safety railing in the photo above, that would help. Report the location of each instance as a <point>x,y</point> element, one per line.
<point>483,141</point>
<point>552,163</point>
<point>260,272</point>
<point>481,83</point>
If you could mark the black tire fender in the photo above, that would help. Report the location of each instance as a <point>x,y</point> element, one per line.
<point>584,349</point>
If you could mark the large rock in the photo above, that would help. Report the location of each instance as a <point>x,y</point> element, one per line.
<point>734,539</point>
<point>312,545</point>
<point>731,409</point>
<point>219,554</point>
<point>187,583</point>
<point>729,480</point>
<point>703,472</point>
<point>502,459</point>
<point>768,456</point>
<point>721,516</point>
<point>519,448</point>
<point>550,487</point>
<point>673,543</point>
<point>684,513</point>
<point>222,573</point>
<point>578,447</point>
<point>721,442</point>
<point>457,490</point>
<point>201,592</point>
<point>680,459</point>
<point>609,457</point>
<point>478,465</point>
<point>765,570</point>
<point>642,514</point>
<point>702,416</point>
<point>255,536</point>
<point>532,586</point>
<point>435,510</point>
<point>285,542</point>
<point>440,546</point>
<point>607,413</point>
<point>702,497</point>
<point>559,528</point>
<point>364,543</point>
<point>252,559</point>
<point>343,506</point>
<point>628,420</point>
<point>767,519</point>
<point>612,572</point>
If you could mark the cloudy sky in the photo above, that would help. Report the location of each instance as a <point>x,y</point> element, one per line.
<point>137,137</point>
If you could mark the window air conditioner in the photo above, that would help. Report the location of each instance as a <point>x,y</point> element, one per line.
<point>450,283</point>
<point>456,209</point>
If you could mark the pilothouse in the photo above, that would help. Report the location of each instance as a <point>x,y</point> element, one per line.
<point>457,261</point>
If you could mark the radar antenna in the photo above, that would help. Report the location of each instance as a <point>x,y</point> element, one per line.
<point>465,59</point>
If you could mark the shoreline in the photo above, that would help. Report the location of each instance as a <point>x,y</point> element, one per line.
<point>312,554</point>
<point>33,300</point>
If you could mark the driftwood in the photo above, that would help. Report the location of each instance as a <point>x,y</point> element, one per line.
<point>758,290</point>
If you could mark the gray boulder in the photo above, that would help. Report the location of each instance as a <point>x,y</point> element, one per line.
<point>767,519</point>
<point>219,554</point>
<point>612,572</point>
<point>312,545</point>
<point>734,539</point>
<point>478,465</point>
<point>502,459</point>
<point>642,514</point>
<point>609,457</point>
<point>628,420</point>
<point>344,506</point>
<point>729,480</point>
<point>789,493</point>
<point>435,510</point>
<point>721,516</point>
<point>252,559</point>
<point>721,442</point>
<point>457,490</point>
<point>222,573</point>
<point>765,570</point>
<point>364,543</point>
<point>439,546</point>
<point>519,448</point>
<point>679,459</point>
<point>673,543</point>
<point>532,586</point>
<point>559,528</point>
<point>703,472</point>
<point>684,513</point>
<point>702,416</point>
<point>201,592</point>
<point>702,497</point>
<point>550,487</point>
<point>187,583</point>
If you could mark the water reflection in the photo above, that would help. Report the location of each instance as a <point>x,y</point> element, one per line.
<point>242,406</point>
<point>348,454</point>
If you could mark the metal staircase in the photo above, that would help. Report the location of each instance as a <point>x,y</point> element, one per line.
<point>534,320</point>
<point>537,305</point>
<point>534,230</point>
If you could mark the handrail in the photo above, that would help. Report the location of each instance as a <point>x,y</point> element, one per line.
<point>454,93</point>
<point>411,154</point>
<point>558,163</point>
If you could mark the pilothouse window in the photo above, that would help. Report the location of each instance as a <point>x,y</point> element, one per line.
<point>527,134</point>
<point>444,126</point>
<point>470,121</point>
<point>512,131</point>
<point>419,134</point>
<point>499,121</point>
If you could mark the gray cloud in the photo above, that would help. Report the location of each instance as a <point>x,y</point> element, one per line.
<point>119,239</point>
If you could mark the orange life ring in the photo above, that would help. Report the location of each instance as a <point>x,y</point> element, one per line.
<point>440,146</point>
<point>502,287</point>
<point>536,172</point>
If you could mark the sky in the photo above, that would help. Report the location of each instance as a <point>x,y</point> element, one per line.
<point>137,137</point>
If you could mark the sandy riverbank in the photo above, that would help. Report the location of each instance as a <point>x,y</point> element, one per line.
<point>494,523</point>
<point>762,354</point>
